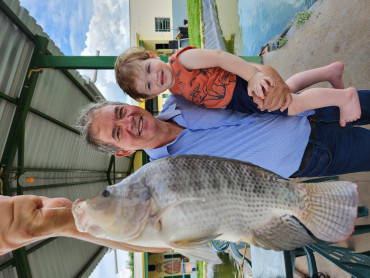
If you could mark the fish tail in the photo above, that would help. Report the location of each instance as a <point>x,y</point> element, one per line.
<point>330,209</point>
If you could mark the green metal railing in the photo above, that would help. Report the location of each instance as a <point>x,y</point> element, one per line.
<point>90,262</point>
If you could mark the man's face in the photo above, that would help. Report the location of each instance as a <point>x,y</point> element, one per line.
<point>155,77</point>
<point>126,126</point>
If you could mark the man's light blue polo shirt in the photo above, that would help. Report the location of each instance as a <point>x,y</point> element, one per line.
<point>273,142</point>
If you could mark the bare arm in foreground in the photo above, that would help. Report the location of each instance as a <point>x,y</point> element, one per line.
<point>24,220</point>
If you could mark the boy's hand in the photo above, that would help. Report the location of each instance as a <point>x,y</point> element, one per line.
<point>258,84</point>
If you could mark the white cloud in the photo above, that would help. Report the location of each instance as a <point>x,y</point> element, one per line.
<point>109,33</point>
<point>106,267</point>
<point>84,26</point>
<point>124,273</point>
<point>65,21</point>
<point>79,20</point>
<point>122,258</point>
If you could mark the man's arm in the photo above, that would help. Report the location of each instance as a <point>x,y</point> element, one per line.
<point>26,219</point>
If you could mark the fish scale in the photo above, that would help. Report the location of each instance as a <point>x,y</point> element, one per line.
<point>183,202</point>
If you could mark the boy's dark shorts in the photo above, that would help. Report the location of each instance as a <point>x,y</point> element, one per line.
<point>243,103</point>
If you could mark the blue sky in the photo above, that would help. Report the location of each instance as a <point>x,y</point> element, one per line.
<point>80,27</point>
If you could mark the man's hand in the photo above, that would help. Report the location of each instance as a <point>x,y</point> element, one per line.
<point>27,219</point>
<point>278,96</point>
<point>258,84</point>
<point>24,220</point>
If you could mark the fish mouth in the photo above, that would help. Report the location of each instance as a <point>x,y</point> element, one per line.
<point>78,212</point>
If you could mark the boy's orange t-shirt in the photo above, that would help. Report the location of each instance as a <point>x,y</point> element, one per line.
<point>208,87</point>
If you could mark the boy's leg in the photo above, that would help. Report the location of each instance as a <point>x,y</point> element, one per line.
<point>331,73</point>
<point>364,96</point>
<point>332,113</point>
<point>346,99</point>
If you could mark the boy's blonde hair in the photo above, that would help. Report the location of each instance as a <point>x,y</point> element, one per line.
<point>127,70</point>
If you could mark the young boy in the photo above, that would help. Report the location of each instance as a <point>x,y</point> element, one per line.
<point>217,79</point>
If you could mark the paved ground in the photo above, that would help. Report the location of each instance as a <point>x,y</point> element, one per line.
<point>339,30</point>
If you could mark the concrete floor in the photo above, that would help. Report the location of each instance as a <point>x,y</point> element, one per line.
<point>339,30</point>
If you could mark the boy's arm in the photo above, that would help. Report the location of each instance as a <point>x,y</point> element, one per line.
<point>25,220</point>
<point>203,58</point>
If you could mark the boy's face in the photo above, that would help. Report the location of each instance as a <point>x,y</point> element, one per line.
<point>155,77</point>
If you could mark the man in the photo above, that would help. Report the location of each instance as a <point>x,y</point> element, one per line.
<point>288,146</point>
<point>27,219</point>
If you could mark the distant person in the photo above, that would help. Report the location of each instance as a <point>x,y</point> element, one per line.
<point>217,79</point>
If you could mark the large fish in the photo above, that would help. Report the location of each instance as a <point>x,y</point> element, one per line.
<point>183,202</point>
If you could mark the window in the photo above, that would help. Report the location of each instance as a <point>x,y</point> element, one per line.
<point>162,24</point>
<point>162,46</point>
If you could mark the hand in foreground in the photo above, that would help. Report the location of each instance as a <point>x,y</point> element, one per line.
<point>278,96</point>
<point>25,220</point>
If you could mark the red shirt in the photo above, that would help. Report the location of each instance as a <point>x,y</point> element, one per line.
<point>209,87</point>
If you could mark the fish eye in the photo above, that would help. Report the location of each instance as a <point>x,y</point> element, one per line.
<point>105,193</point>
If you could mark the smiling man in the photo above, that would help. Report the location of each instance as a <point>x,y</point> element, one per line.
<point>122,129</point>
<point>289,146</point>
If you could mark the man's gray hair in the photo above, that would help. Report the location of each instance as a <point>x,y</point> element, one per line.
<point>86,117</point>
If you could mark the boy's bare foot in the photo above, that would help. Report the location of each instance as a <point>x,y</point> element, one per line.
<point>350,110</point>
<point>336,70</point>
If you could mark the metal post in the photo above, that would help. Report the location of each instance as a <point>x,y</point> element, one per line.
<point>21,263</point>
<point>114,171</point>
<point>76,62</point>
<point>35,187</point>
<point>89,263</point>
<point>8,263</point>
<point>21,114</point>
<point>111,163</point>
<point>20,168</point>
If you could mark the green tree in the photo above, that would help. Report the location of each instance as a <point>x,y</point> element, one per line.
<point>130,263</point>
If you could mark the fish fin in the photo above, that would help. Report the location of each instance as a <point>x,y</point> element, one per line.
<point>197,248</point>
<point>205,253</point>
<point>281,233</point>
<point>158,215</point>
<point>330,209</point>
<point>194,243</point>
